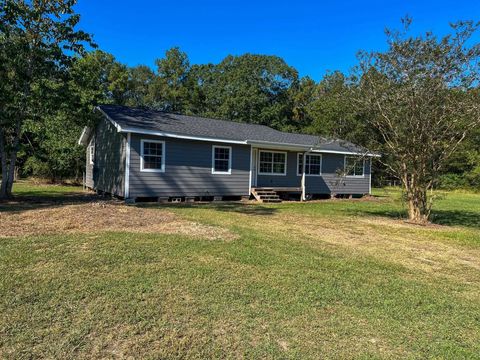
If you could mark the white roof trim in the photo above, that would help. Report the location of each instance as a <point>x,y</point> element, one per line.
<point>271,143</point>
<point>118,127</point>
<point>346,153</point>
<point>268,144</point>
<point>83,140</point>
<point>180,136</point>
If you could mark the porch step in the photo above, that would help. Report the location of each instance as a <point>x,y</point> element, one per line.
<point>266,195</point>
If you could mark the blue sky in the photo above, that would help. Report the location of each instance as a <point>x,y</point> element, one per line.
<point>312,36</point>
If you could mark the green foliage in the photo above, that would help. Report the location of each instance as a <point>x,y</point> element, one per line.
<point>52,150</point>
<point>38,41</point>
<point>247,88</point>
<point>169,87</point>
<point>54,153</point>
<point>140,86</point>
<point>95,79</point>
<point>451,181</point>
<point>420,95</point>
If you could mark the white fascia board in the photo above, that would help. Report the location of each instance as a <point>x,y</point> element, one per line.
<point>180,136</point>
<point>117,126</point>
<point>287,146</point>
<point>345,153</point>
<point>80,140</point>
<point>278,146</point>
<point>83,140</point>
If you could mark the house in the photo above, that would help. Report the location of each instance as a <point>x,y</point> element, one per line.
<point>140,154</point>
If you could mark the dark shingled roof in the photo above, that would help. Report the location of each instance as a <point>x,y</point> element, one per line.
<point>151,120</point>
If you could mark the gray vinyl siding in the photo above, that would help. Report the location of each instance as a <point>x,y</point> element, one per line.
<point>109,160</point>
<point>328,183</point>
<point>188,170</point>
<point>331,183</point>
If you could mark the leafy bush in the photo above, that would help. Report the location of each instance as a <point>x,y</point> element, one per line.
<point>452,181</point>
<point>473,178</point>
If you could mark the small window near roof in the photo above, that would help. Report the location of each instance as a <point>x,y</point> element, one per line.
<point>221,159</point>
<point>152,156</point>
<point>313,165</point>
<point>91,154</point>
<point>354,166</point>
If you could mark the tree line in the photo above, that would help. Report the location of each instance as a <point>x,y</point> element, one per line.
<point>416,103</point>
<point>249,88</point>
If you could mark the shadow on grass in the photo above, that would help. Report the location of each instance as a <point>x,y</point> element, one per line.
<point>456,218</point>
<point>235,207</point>
<point>37,200</point>
<point>441,217</point>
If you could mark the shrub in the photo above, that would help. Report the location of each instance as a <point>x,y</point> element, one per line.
<point>452,181</point>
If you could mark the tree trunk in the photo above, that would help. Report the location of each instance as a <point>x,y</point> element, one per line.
<point>8,169</point>
<point>11,174</point>
<point>417,204</point>
<point>3,156</point>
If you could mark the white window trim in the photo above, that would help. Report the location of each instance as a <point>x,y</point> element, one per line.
<point>298,163</point>
<point>162,169</point>
<point>229,159</point>
<point>272,173</point>
<point>91,154</point>
<point>345,168</point>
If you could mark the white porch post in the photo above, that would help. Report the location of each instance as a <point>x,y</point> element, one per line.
<point>303,176</point>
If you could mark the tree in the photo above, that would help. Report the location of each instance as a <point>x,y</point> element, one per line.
<point>51,150</point>
<point>303,95</point>
<point>419,95</point>
<point>331,111</point>
<point>140,82</point>
<point>38,39</point>
<point>248,88</point>
<point>170,90</point>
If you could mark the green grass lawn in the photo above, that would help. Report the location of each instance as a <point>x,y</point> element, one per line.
<point>327,279</point>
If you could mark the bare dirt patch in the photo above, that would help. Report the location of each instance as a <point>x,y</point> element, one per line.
<point>100,217</point>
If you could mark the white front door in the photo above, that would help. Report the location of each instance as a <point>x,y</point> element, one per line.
<point>254,167</point>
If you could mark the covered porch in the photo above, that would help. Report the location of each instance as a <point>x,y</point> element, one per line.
<point>303,173</point>
<point>276,171</point>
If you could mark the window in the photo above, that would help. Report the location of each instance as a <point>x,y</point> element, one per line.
<point>354,166</point>
<point>91,154</point>
<point>272,163</point>
<point>221,159</point>
<point>313,165</point>
<point>152,156</point>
